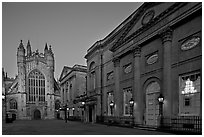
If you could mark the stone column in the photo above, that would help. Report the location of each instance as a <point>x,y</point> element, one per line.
<point>166,36</point>
<point>118,106</point>
<point>137,94</point>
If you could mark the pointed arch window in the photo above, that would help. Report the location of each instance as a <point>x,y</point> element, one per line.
<point>36,87</point>
<point>13,104</point>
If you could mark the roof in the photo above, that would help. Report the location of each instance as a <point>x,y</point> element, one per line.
<point>76,67</point>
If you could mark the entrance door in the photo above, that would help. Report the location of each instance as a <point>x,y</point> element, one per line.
<point>152,105</point>
<point>90,114</point>
<point>37,115</point>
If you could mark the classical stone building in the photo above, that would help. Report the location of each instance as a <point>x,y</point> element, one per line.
<point>34,91</point>
<point>155,51</point>
<point>73,87</point>
<point>6,83</point>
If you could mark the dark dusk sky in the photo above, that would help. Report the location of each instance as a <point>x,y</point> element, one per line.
<point>70,28</point>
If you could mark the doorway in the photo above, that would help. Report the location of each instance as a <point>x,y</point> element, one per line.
<point>152,105</point>
<point>90,113</point>
<point>37,114</point>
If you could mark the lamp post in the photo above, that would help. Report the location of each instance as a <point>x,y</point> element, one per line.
<point>83,111</point>
<point>131,109</point>
<point>65,113</point>
<point>73,111</point>
<point>131,106</point>
<point>111,107</point>
<point>161,101</point>
<point>4,100</point>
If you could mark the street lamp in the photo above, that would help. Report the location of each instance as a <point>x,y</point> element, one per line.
<point>131,110</point>
<point>65,112</point>
<point>73,110</point>
<point>111,107</point>
<point>83,103</point>
<point>83,111</point>
<point>131,106</point>
<point>161,102</point>
<point>5,105</point>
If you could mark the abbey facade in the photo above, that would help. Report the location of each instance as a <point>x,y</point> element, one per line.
<point>34,91</point>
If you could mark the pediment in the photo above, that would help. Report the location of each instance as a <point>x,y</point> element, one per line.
<point>141,18</point>
<point>65,71</point>
<point>148,15</point>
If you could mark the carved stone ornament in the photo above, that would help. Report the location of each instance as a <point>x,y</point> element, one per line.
<point>166,34</point>
<point>148,17</point>
<point>128,68</point>
<point>190,43</point>
<point>116,61</point>
<point>110,75</point>
<point>137,51</point>
<point>152,59</point>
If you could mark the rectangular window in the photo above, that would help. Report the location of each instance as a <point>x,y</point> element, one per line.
<point>127,95</point>
<point>109,105</point>
<point>189,94</point>
<point>187,102</point>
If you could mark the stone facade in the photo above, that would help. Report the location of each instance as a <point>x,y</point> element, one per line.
<point>156,50</point>
<point>73,87</point>
<point>34,90</point>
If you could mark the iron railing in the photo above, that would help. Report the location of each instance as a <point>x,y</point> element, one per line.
<point>185,124</point>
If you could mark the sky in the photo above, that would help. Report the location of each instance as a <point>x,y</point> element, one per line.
<point>70,28</point>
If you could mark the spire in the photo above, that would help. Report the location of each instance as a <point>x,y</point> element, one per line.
<point>21,45</point>
<point>45,49</point>
<point>50,50</point>
<point>28,44</point>
<point>3,73</point>
<point>28,49</point>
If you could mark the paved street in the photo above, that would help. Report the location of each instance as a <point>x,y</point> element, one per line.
<point>59,127</point>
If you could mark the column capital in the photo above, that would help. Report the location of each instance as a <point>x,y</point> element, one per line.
<point>116,61</point>
<point>136,51</point>
<point>166,34</point>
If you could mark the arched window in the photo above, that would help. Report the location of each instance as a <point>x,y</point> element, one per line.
<point>13,104</point>
<point>92,76</point>
<point>36,87</point>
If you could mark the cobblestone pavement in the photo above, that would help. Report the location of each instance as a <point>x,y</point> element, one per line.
<point>59,127</point>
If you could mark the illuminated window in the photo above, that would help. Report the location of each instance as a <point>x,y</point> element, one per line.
<point>36,87</point>
<point>127,96</point>
<point>109,99</point>
<point>189,97</point>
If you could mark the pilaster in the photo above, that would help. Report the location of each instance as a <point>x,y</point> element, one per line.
<point>117,94</point>
<point>137,94</point>
<point>166,36</point>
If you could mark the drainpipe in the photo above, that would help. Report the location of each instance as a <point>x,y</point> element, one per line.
<point>101,87</point>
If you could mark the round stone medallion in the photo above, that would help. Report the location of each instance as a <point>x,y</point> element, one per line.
<point>148,17</point>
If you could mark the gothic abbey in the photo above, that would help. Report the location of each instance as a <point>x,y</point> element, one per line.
<point>34,91</point>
